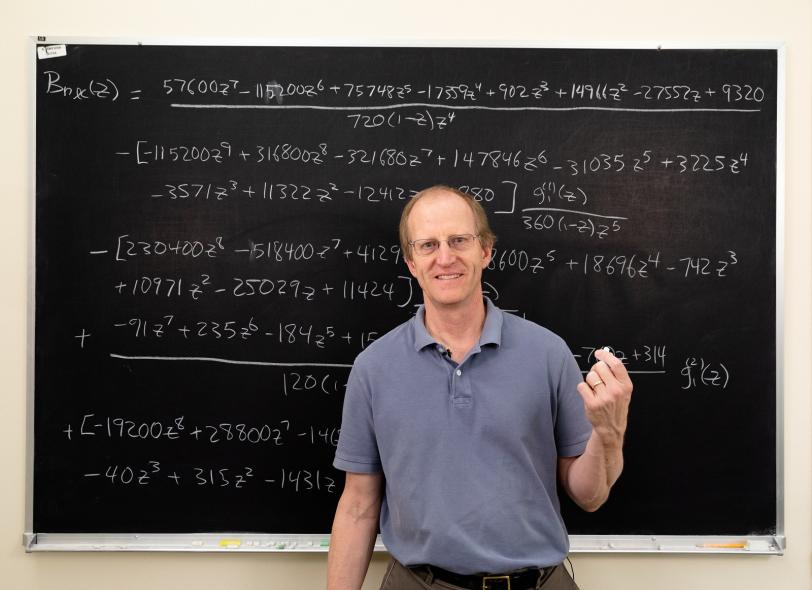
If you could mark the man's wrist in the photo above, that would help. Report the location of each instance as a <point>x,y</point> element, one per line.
<point>610,440</point>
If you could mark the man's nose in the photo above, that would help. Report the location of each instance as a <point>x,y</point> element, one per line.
<point>445,255</point>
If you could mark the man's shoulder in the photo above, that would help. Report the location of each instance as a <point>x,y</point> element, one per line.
<point>519,330</point>
<point>390,345</point>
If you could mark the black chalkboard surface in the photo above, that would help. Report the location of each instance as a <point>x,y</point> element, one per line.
<point>216,241</point>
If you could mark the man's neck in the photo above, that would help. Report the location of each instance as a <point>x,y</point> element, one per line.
<point>458,328</point>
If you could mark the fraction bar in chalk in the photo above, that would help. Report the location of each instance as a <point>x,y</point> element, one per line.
<point>451,107</point>
<point>227,361</point>
<point>635,372</point>
<point>99,251</point>
<point>573,211</point>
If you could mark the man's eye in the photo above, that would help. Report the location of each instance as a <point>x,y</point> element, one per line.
<point>429,245</point>
<point>458,240</point>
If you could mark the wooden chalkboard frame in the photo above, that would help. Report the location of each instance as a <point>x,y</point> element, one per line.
<point>703,544</point>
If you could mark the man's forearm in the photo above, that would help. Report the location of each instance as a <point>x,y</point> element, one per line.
<point>353,538</point>
<point>592,475</point>
<point>606,391</point>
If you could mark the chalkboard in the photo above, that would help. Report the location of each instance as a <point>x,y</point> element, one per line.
<point>216,241</point>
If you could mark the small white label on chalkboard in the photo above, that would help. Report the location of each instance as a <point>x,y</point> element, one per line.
<point>48,51</point>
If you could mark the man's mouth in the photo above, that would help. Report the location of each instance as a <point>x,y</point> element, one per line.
<point>448,277</point>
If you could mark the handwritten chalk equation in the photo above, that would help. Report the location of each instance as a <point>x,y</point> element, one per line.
<point>155,473</point>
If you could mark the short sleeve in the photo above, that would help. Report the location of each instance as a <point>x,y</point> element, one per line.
<point>357,450</point>
<point>572,429</point>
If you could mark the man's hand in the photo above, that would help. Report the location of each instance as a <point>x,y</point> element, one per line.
<point>606,392</point>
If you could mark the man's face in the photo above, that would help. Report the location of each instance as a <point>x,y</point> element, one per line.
<point>448,278</point>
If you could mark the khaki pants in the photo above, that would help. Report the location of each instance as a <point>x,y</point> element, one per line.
<point>399,577</point>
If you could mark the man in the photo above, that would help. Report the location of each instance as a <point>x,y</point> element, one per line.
<point>458,422</point>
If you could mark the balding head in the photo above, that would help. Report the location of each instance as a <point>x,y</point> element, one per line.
<point>483,229</point>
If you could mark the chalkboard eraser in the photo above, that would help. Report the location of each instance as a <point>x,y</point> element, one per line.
<point>230,543</point>
<point>760,546</point>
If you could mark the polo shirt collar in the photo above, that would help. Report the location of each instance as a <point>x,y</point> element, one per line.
<point>491,330</point>
<point>422,338</point>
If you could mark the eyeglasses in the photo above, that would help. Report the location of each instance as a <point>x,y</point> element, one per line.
<point>458,243</point>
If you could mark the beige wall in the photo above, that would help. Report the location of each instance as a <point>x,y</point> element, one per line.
<point>568,22</point>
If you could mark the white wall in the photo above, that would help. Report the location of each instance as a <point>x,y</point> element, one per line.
<point>571,22</point>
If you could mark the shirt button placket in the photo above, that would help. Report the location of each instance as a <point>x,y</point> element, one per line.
<point>459,397</point>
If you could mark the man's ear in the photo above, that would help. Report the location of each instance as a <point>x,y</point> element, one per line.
<point>487,252</point>
<point>410,264</point>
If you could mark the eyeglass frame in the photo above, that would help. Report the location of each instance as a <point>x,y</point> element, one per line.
<point>439,241</point>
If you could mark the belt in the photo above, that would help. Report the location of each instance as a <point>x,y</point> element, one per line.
<point>518,580</point>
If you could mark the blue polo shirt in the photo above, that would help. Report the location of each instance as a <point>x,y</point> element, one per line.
<point>469,452</point>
